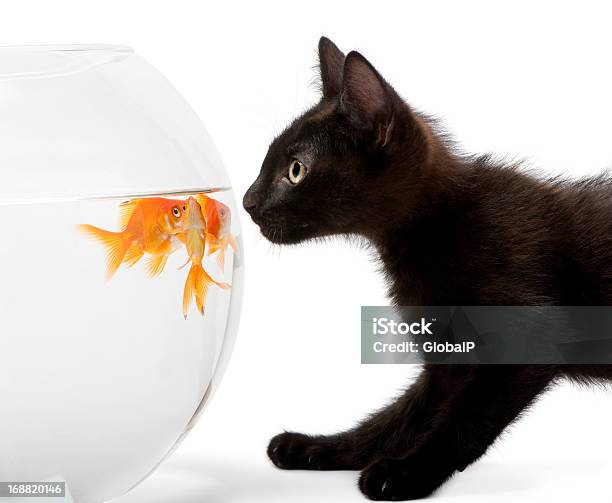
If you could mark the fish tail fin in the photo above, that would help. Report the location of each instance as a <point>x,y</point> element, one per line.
<point>115,243</point>
<point>198,281</point>
<point>190,289</point>
<point>203,281</point>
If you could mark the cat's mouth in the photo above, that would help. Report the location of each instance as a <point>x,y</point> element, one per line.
<point>286,233</point>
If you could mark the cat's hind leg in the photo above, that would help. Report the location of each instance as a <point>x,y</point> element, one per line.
<point>470,420</point>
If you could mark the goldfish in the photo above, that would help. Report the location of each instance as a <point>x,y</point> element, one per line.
<point>158,227</point>
<point>148,225</point>
<point>195,230</point>
<point>218,224</point>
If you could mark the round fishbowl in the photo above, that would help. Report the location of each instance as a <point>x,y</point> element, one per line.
<point>121,269</point>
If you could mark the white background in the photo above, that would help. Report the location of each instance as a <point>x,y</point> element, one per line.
<point>521,79</point>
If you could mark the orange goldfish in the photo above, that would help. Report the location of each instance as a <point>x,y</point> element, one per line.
<point>218,224</point>
<point>194,235</point>
<point>149,225</point>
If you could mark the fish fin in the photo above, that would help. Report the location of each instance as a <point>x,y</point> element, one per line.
<point>126,209</point>
<point>196,286</point>
<point>114,242</point>
<point>189,291</point>
<point>203,281</point>
<point>156,264</point>
<point>234,244</point>
<point>221,259</point>
<point>202,200</point>
<point>223,286</point>
<point>185,264</point>
<point>220,284</point>
<point>133,255</point>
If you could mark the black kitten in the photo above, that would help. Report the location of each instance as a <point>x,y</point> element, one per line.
<point>450,230</point>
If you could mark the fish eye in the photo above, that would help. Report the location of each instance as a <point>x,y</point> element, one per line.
<point>222,212</point>
<point>297,171</point>
<point>184,208</point>
<point>176,211</point>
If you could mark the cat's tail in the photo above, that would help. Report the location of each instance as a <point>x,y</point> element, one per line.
<point>116,244</point>
<point>196,286</point>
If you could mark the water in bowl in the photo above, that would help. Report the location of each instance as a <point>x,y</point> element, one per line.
<point>112,367</point>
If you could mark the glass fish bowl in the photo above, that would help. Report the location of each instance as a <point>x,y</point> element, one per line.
<point>121,268</point>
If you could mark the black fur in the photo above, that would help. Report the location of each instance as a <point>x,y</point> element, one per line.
<point>449,229</point>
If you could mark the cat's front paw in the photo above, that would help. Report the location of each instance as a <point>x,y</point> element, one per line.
<point>397,480</point>
<point>295,451</point>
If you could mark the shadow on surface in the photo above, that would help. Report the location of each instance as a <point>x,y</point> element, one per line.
<point>228,481</point>
<point>490,479</point>
<point>224,481</point>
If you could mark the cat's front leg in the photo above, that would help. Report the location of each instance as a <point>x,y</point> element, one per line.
<point>470,420</point>
<point>390,432</point>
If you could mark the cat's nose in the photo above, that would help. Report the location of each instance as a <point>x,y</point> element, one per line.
<point>249,202</point>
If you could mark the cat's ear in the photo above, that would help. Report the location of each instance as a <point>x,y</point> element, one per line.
<point>366,94</point>
<point>331,62</point>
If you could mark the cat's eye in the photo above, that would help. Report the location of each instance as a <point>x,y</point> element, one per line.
<point>297,171</point>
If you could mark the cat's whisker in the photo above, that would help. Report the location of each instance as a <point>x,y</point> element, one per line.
<point>270,250</point>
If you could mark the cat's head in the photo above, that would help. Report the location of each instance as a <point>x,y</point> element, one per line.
<point>333,169</point>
